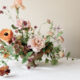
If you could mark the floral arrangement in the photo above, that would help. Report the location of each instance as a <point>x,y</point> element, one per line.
<point>27,42</point>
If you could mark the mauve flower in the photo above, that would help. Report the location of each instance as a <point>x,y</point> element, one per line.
<point>16,31</point>
<point>36,43</point>
<point>13,39</point>
<point>35,27</point>
<point>1,12</point>
<point>25,23</point>
<point>4,7</point>
<point>18,4</point>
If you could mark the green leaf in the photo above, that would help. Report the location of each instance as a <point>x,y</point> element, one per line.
<point>3,62</point>
<point>56,49</point>
<point>54,61</point>
<point>68,55</point>
<point>29,54</point>
<point>14,27</point>
<point>26,57</point>
<point>47,60</point>
<point>59,34</point>
<point>40,59</point>
<point>9,49</point>
<point>47,38</point>
<point>16,57</point>
<point>3,43</point>
<point>24,60</point>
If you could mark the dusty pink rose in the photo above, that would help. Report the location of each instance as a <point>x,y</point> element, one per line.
<point>36,43</point>
<point>18,4</point>
<point>19,23</point>
<point>22,24</point>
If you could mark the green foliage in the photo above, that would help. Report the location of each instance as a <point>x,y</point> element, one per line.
<point>3,62</point>
<point>68,55</point>
<point>46,60</point>
<point>59,34</point>
<point>26,57</point>
<point>56,49</point>
<point>16,57</point>
<point>9,48</point>
<point>48,39</point>
<point>54,61</point>
<point>26,37</point>
<point>3,43</point>
<point>40,59</point>
<point>14,27</point>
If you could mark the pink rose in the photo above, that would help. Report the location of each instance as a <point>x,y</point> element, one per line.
<point>36,43</point>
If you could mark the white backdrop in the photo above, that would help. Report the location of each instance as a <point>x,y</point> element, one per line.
<point>63,12</point>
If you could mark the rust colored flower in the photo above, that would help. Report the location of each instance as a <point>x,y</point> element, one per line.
<point>48,21</point>
<point>6,55</point>
<point>18,4</point>
<point>4,70</point>
<point>6,35</point>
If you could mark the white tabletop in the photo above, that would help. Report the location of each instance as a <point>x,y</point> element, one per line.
<point>65,70</point>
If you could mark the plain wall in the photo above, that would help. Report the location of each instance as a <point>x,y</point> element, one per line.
<point>63,12</point>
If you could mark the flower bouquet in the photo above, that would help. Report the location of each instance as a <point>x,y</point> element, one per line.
<point>28,43</point>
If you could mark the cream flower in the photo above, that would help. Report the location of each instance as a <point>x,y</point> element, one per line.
<point>61,54</point>
<point>36,43</point>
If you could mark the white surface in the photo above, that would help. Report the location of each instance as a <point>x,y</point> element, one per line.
<point>65,70</point>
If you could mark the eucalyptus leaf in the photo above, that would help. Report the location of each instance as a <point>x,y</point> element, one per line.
<point>14,27</point>
<point>59,34</point>
<point>68,55</point>
<point>26,57</point>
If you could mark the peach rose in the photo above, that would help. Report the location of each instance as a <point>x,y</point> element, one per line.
<point>61,39</point>
<point>36,43</point>
<point>17,4</point>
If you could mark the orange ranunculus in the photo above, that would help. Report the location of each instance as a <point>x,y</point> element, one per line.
<point>17,4</point>
<point>6,35</point>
